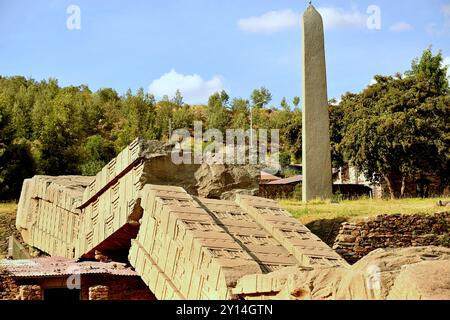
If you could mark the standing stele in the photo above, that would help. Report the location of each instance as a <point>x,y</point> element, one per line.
<point>316,151</point>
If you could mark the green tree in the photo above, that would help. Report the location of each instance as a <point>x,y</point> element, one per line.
<point>240,109</point>
<point>97,152</point>
<point>261,97</point>
<point>164,118</point>
<point>291,134</point>
<point>285,105</point>
<point>139,112</point>
<point>336,130</point>
<point>431,68</point>
<point>178,99</point>
<point>16,164</point>
<point>217,113</point>
<point>183,118</point>
<point>107,114</point>
<point>296,102</point>
<point>396,127</point>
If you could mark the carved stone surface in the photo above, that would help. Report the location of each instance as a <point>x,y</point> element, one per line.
<point>196,248</point>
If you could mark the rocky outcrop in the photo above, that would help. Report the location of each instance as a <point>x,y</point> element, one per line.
<point>231,195</point>
<point>385,274</point>
<point>380,275</point>
<point>422,281</point>
<point>213,180</point>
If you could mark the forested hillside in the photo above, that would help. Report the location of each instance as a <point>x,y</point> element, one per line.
<point>398,125</point>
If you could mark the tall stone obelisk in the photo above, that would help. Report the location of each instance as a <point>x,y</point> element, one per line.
<point>316,151</point>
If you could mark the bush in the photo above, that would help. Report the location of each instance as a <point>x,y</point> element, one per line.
<point>16,164</point>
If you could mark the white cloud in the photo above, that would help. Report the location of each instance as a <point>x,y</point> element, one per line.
<point>373,81</point>
<point>401,27</point>
<point>335,18</point>
<point>271,22</point>
<point>279,20</point>
<point>193,87</point>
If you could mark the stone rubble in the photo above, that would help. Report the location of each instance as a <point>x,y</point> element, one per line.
<point>356,240</point>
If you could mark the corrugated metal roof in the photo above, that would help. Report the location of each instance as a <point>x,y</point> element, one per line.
<point>295,179</point>
<point>268,177</point>
<point>57,267</point>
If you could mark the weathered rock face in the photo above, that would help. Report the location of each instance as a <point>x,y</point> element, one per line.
<point>159,168</point>
<point>232,195</point>
<point>206,180</point>
<point>411,273</point>
<point>374,276</point>
<point>427,280</point>
<point>216,179</point>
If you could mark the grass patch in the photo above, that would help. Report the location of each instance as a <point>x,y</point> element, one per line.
<point>357,209</point>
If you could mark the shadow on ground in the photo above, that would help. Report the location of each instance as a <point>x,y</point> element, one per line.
<point>326,229</point>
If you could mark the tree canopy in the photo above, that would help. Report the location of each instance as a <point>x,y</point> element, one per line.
<point>53,130</point>
<point>399,126</point>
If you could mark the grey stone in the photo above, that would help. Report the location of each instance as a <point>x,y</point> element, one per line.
<point>317,180</point>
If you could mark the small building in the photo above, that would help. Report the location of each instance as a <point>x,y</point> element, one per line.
<point>267,177</point>
<point>284,188</point>
<point>56,278</point>
<point>281,188</point>
<point>350,179</point>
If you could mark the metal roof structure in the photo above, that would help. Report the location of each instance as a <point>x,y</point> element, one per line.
<point>266,177</point>
<point>295,179</point>
<point>60,267</point>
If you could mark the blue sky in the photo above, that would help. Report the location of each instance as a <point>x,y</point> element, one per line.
<point>201,46</point>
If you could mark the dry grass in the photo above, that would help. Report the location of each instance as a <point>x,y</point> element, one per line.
<point>7,225</point>
<point>320,216</point>
<point>358,209</point>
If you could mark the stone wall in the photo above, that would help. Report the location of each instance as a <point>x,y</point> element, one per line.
<point>286,191</point>
<point>8,287</point>
<point>118,288</point>
<point>93,287</point>
<point>356,240</point>
<point>30,292</point>
<point>99,293</point>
